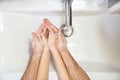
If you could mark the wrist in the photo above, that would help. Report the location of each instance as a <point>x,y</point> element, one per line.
<point>63,49</point>
<point>46,49</point>
<point>53,49</point>
<point>36,55</point>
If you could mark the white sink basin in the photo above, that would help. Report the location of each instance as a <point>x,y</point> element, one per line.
<point>89,44</point>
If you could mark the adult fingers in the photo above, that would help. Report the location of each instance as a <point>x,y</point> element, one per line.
<point>43,37</point>
<point>40,29</point>
<point>51,25</point>
<point>45,32</point>
<point>35,36</point>
<point>62,36</point>
<point>52,35</point>
<point>49,28</point>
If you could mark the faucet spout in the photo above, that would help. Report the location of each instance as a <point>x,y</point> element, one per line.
<point>68,11</point>
<point>67,28</point>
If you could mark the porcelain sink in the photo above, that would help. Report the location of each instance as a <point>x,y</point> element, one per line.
<point>94,43</point>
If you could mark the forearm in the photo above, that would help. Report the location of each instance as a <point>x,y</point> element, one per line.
<point>31,71</point>
<point>74,70</point>
<point>44,66</point>
<point>59,65</point>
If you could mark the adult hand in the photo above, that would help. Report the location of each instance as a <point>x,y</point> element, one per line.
<point>44,36</point>
<point>52,40</point>
<point>40,40</point>
<point>61,42</point>
<point>51,27</point>
<point>52,34</point>
<point>37,45</point>
<point>57,38</point>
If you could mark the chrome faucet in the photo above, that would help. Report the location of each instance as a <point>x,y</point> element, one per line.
<point>67,28</point>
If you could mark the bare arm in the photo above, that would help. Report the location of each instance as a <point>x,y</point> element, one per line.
<point>44,66</point>
<point>43,70</point>
<point>31,71</point>
<point>38,66</point>
<point>74,70</point>
<point>59,64</point>
<point>32,68</point>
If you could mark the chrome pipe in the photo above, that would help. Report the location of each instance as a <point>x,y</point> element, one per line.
<point>67,28</point>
